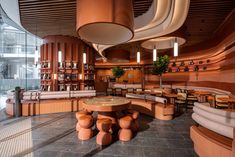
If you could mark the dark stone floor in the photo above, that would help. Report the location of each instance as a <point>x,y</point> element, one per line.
<point>54,135</point>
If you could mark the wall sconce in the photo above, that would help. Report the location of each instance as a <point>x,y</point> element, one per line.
<point>138,57</point>
<point>84,58</point>
<point>176,46</point>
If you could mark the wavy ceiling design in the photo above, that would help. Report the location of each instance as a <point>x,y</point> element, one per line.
<point>162,18</point>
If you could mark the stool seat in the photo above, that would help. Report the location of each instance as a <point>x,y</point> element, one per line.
<point>85,121</point>
<point>104,124</point>
<point>104,137</point>
<point>134,114</point>
<point>125,122</point>
<point>80,113</point>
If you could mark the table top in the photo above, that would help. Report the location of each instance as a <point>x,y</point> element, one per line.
<point>228,99</point>
<point>202,93</point>
<point>172,95</point>
<point>106,104</point>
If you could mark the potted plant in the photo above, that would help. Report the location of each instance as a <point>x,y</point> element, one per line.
<point>118,72</point>
<point>160,66</point>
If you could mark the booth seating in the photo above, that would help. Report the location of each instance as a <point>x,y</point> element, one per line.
<point>215,135</point>
<point>156,107</point>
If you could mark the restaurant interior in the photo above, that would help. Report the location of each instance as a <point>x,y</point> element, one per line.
<point>123,78</point>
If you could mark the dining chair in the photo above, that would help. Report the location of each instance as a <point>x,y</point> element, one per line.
<point>221,103</point>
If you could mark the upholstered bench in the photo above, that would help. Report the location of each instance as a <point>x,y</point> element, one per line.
<point>215,135</point>
<point>156,107</point>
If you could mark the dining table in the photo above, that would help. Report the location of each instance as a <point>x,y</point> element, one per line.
<point>107,107</point>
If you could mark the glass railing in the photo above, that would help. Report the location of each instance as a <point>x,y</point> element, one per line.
<point>31,84</point>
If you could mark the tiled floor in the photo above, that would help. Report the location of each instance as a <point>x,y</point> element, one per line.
<point>54,135</point>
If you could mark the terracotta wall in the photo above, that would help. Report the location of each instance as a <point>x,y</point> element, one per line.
<point>133,76</point>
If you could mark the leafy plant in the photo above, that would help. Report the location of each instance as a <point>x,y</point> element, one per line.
<point>160,66</point>
<point>118,72</point>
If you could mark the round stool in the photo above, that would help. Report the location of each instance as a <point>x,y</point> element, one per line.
<point>85,131</point>
<point>78,115</point>
<point>134,114</point>
<point>113,119</point>
<point>104,137</point>
<point>125,133</point>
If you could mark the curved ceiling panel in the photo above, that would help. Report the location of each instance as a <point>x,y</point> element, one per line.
<point>162,42</point>
<point>175,18</point>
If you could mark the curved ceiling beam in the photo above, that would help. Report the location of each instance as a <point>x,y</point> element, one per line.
<point>159,27</point>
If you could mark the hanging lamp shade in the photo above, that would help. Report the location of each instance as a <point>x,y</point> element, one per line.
<point>106,22</point>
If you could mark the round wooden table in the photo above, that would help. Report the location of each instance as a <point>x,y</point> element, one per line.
<point>107,107</point>
<point>231,102</point>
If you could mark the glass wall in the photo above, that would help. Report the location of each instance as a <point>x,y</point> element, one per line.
<point>17,57</point>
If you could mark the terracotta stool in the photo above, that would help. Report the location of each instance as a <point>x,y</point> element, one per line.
<point>125,133</point>
<point>78,115</point>
<point>134,114</point>
<point>81,113</point>
<point>104,137</point>
<point>85,131</point>
<point>113,119</point>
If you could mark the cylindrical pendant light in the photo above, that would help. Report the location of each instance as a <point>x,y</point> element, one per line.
<point>84,58</point>
<point>138,57</point>
<point>176,47</point>
<point>154,54</point>
<point>60,57</point>
<point>106,22</point>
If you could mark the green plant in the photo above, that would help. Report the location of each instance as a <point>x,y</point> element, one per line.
<point>118,72</point>
<point>160,66</point>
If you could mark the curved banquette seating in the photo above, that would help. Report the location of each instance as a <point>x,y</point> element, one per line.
<point>156,107</point>
<point>215,135</point>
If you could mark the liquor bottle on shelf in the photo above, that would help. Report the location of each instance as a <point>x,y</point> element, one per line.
<point>49,88</point>
<point>75,65</point>
<point>61,77</point>
<point>61,87</point>
<point>68,87</point>
<point>68,65</point>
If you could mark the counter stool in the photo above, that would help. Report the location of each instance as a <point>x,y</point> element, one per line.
<point>112,117</point>
<point>78,115</point>
<point>104,137</point>
<point>85,131</point>
<point>134,114</point>
<point>125,133</point>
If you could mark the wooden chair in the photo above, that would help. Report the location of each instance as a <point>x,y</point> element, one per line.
<point>118,91</point>
<point>181,101</point>
<point>191,99</point>
<point>130,90</point>
<point>109,91</point>
<point>221,103</point>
